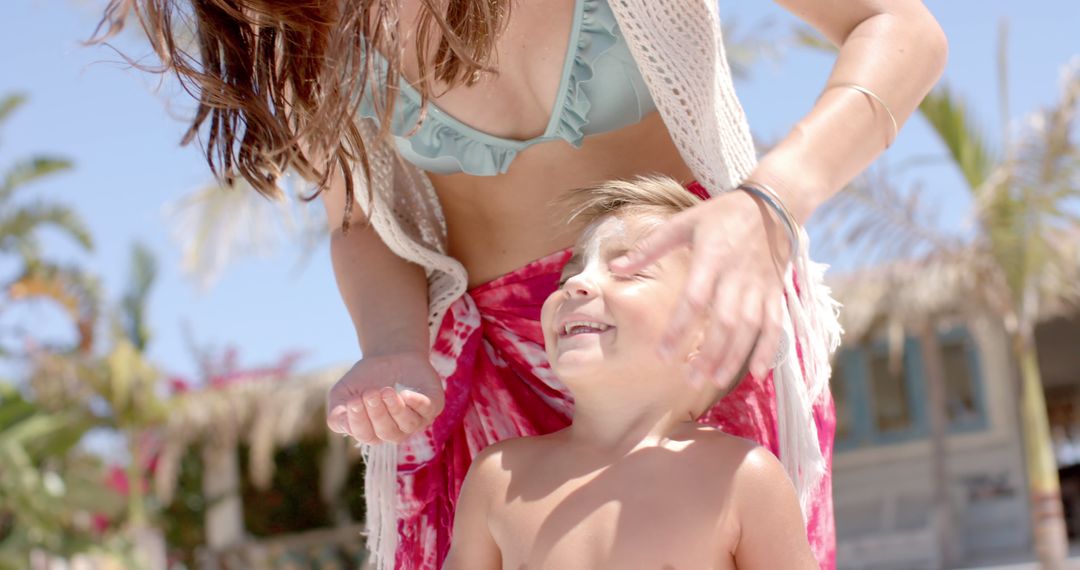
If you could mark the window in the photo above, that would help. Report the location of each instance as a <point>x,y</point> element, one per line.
<point>876,405</point>
<point>838,385</point>
<point>889,391</point>
<point>961,395</point>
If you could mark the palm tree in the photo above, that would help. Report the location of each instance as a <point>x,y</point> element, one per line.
<point>122,386</point>
<point>1022,258</point>
<point>20,224</point>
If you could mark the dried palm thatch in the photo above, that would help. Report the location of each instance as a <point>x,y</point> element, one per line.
<point>908,293</point>
<point>267,412</point>
<point>952,284</point>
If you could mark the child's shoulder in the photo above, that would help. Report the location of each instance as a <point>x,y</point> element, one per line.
<point>510,454</point>
<point>715,440</point>
<point>743,457</point>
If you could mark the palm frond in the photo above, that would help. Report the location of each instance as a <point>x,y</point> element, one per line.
<point>872,221</point>
<point>804,36</point>
<point>9,104</point>
<point>746,47</point>
<point>952,122</point>
<point>76,291</point>
<point>134,301</point>
<point>29,170</point>
<point>907,293</point>
<point>218,224</point>
<point>23,222</point>
<point>1040,201</point>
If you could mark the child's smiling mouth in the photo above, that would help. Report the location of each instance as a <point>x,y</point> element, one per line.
<point>575,328</point>
<point>579,324</point>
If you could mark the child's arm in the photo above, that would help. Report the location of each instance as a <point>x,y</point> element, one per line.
<point>472,546</point>
<point>771,529</point>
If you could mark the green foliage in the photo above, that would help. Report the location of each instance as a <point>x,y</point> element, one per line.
<point>9,104</point>
<point>48,490</point>
<point>48,487</point>
<point>134,301</point>
<point>1026,200</point>
<point>29,170</point>
<point>292,503</point>
<point>967,146</point>
<point>21,222</point>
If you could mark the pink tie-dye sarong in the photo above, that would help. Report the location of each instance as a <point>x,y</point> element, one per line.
<point>490,352</point>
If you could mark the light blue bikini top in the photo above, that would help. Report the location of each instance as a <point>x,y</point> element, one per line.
<point>601,90</point>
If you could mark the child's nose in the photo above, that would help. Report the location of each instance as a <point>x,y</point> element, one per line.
<point>580,292</point>
<point>579,286</point>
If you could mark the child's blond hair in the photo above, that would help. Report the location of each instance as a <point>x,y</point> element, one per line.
<point>639,195</point>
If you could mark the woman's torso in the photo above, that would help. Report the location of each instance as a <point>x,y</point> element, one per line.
<point>498,223</point>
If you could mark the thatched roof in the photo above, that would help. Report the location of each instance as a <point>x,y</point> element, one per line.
<point>266,412</point>
<point>958,284</point>
<point>909,293</point>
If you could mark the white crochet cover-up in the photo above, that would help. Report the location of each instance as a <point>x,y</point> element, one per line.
<point>677,44</point>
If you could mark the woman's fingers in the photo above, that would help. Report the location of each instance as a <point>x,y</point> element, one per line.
<point>768,344</point>
<point>694,304</point>
<point>721,332</point>
<point>408,421</point>
<point>677,231</point>
<point>365,404</point>
<point>384,415</point>
<point>382,422</point>
<point>743,304</point>
<point>420,403</point>
<point>359,424</point>
<point>338,420</point>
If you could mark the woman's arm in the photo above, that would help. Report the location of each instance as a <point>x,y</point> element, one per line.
<point>385,295</point>
<point>387,299</point>
<point>771,529</point>
<point>894,48</point>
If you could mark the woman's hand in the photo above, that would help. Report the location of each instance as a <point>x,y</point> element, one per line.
<point>734,284</point>
<point>366,405</point>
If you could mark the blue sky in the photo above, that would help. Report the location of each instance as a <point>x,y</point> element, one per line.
<point>122,132</point>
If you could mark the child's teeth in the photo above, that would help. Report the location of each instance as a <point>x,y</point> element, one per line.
<point>569,327</point>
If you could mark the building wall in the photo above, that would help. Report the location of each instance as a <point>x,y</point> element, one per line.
<point>883,484</point>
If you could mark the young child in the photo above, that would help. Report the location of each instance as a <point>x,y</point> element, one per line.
<point>634,482</point>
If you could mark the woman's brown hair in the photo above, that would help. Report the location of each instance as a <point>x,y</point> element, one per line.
<point>278,82</point>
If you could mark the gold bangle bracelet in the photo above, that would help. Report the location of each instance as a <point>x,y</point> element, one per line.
<point>874,96</point>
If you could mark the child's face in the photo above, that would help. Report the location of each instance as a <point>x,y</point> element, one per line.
<point>615,322</point>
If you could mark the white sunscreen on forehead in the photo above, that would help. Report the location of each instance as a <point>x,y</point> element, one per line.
<point>611,228</point>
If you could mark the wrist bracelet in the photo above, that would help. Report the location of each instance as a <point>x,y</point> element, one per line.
<point>773,201</point>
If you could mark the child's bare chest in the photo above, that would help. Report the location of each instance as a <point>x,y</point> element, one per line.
<point>619,517</point>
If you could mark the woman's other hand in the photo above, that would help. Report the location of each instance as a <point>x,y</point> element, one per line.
<point>738,253</point>
<point>368,405</point>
